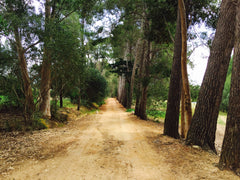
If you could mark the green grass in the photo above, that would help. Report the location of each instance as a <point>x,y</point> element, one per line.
<point>156,114</point>
<point>221,122</point>
<point>221,117</point>
<point>67,103</point>
<point>130,110</point>
<point>222,113</point>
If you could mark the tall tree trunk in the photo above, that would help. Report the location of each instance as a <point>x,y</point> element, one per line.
<point>121,89</point>
<point>203,127</point>
<point>83,53</point>
<point>129,76</point>
<point>186,98</point>
<point>61,98</point>
<point>145,81</point>
<point>29,102</point>
<point>46,68</point>
<point>171,123</point>
<point>183,124</point>
<point>134,70</point>
<point>137,92</point>
<point>126,91</point>
<point>126,80</point>
<point>230,155</point>
<point>140,76</point>
<point>45,87</point>
<point>79,100</point>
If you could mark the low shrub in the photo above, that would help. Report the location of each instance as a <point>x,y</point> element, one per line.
<point>156,114</point>
<point>130,110</point>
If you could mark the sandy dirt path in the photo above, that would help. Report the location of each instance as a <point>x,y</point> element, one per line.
<point>113,144</point>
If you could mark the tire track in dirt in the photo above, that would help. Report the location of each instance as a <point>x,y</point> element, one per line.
<point>110,147</point>
<point>115,145</point>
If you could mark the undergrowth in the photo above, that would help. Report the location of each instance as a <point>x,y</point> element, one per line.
<point>13,120</point>
<point>152,114</point>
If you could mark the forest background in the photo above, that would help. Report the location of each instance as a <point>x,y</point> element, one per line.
<point>54,51</point>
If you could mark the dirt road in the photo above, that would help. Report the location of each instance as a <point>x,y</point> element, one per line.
<point>113,144</point>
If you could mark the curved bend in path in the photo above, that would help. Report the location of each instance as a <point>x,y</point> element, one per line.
<point>115,145</point>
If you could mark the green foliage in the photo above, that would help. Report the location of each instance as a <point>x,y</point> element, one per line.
<point>15,122</point>
<point>163,16</point>
<point>96,85</point>
<point>221,122</point>
<point>67,57</point>
<point>156,113</point>
<point>160,71</point>
<point>112,82</point>
<point>194,92</point>
<point>130,110</point>
<point>226,90</point>
<point>203,11</point>
<point>3,99</point>
<point>94,89</point>
<point>67,103</point>
<point>79,57</point>
<point>10,86</point>
<point>122,66</point>
<point>3,26</point>
<point>38,122</point>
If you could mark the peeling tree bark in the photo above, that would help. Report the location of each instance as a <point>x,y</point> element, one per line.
<point>186,97</point>
<point>29,102</point>
<point>183,124</point>
<point>46,68</point>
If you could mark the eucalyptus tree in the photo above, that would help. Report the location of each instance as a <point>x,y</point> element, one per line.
<point>55,12</point>
<point>23,25</point>
<point>10,78</point>
<point>150,19</point>
<point>123,42</point>
<point>203,127</point>
<point>66,54</point>
<point>197,11</point>
<point>156,30</point>
<point>186,97</point>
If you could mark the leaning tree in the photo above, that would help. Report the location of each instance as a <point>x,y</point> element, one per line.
<point>203,127</point>
<point>230,155</point>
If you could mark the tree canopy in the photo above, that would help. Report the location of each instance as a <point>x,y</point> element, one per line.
<point>85,51</point>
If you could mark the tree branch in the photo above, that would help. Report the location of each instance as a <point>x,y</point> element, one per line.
<point>30,46</point>
<point>168,29</point>
<point>66,16</point>
<point>60,8</point>
<point>53,9</point>
<point>1,4</point>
